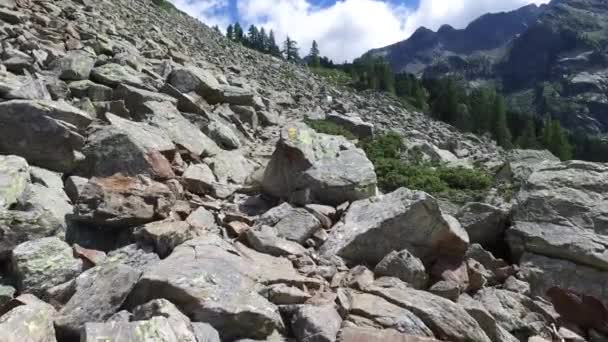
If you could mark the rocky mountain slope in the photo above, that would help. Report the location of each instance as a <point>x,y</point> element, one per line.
<point>157,183</point>
<point>547,60</point>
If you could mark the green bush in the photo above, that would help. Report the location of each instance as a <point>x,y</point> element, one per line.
<point>328,127</point>
<point>393,173</point>
<point>389,145</point>
<point>461,178</point>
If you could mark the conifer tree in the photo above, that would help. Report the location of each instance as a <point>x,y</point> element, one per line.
<point>555,139</point>
<point>239,35</point>
<point>528,139</point>
<point>272,45</point>
<point>500,130</point>
<point>230,32</point>
<point>290,50</point>
<point>315,60</point>
<point>263,43</point>
<point>253,38</point>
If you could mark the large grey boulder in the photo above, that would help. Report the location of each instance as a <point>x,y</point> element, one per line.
<point>54,201</point>
<point>447,320</point>
<point>165,235</point>
<point>516,313</point>
<point>521,164</point>
<point>113,74</point>
<point>99,293</point>
<point>75,65</point>
<point>29,320</point>
<point>403,219</point>
<point>17,227</point>
<point>353,123</point>
<point>167,118</point>
<point>544,273</point>
<point>309,167</point>
<point>265,239</point>
<point>213,281</point>
<point>41,264</point>
<point>127,147</point>
<point>122,202</point>
<point>157,329</point>
<point>134,98</point>
<point>364,334</point>
<point>485,319</point>
<point>484,223</point>
<point>311,323</point>
<point>404,266</point>
<point>562,214</point>
<point>386,314</point>
<point>298,225</point>
<point>190,78</point>
<point>57,139</point>
<point>14,177</point>
<point>180,324</point>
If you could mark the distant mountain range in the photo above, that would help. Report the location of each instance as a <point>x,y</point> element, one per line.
<point>549,59</point>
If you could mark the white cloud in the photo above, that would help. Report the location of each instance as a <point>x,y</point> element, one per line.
<point>211,12</point>
<point>349,28</point>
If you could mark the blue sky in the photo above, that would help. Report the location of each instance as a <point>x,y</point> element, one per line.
<point>345,29</point>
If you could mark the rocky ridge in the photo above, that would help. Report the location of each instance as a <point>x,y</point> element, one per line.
<point>157,184</point>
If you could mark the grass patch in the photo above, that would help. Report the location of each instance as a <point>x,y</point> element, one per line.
<point>335,76</point>
<point>328,127</point>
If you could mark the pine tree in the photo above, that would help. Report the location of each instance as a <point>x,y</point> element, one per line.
<point>290,50</point>
<point>230,32</point>
<point>263,41</point>
<point>239,35</point>
<point>253,38</point>
<point>500,130</point>
<point>528,139</point>
<point>315,61</point>
<point>272,45</point>
<point>555,139</point>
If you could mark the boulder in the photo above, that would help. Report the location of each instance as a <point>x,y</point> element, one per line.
<point>561,214</point>
<point>199,179</point>
<point>95,92</point>
<point>57,141</point>
<point>404,266</point>
<point>113,74</point>
<point>358,334</point>
<point>231,167</point>
<point>542,273</point>
<point>134,98</point>
<point>75,66</point>
<point>49,179</point>
<point>180,324</point>
<point>213,281</point>
<point>281,294</point>
<point>157,329</point>
<point>484,223</point>
<point>516,313</point>
<point>403,219</point>
<point>298,225</point>
<point>138,257</point>
<point>315,323</point>
<point>99,293</point>
<point>127,147</point>
<point>386,314</point>
<point>309,167</point>
<point>54,201</point>
<point>73,187</point>
<point>191,78</point>
<point>202,220</point>
<point>266,239</point>
<point>30,319</point>
<point>447,320</point>
<point>165,235</point>
<point>17,227</point>
<point>14,177</point>
<point>353,123</point>
<point>485,319</point>
<point>41,264</point>
<point>521,164</point>
<point>167,118</point>
<point>122,202</point>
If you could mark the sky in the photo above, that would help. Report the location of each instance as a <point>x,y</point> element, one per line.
<point>344,29</point>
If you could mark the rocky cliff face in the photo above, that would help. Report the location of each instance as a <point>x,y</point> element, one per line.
<point>157,183</point>
<point>549,59</point>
